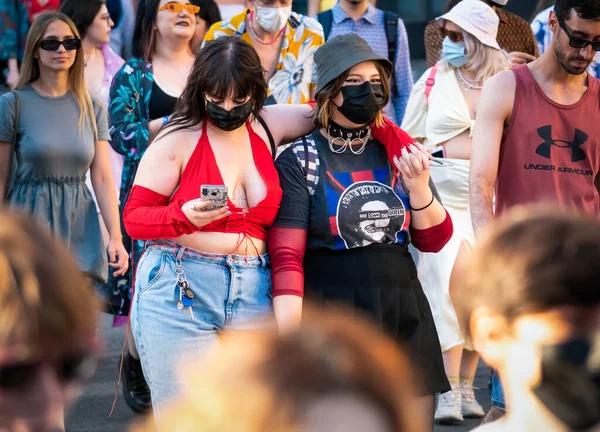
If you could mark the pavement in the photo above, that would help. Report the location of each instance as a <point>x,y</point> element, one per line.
<point>91,412</point>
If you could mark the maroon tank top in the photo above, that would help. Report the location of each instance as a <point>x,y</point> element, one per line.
<point>550,153</point>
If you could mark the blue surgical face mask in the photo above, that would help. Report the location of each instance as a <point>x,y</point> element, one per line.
<point>454,52</point>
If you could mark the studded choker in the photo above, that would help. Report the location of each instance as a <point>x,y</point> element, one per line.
<point>341,138</point>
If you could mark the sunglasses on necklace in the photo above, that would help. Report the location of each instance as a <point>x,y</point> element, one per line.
<point>68,370</point>
<point>577,42</point>
<point>454,36</point>
<point>53,44</point>
<point>178,8</point>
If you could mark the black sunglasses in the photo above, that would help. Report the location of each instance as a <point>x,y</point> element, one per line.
<point>454,36</point>
<point>53,44</point>
<point>577,42</point>
<point>68,369</point>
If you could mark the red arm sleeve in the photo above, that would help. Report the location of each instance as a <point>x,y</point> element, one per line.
<point>433,239</point>
<point>148,215</point>
<point>393,139</point>
<point>286,249</point>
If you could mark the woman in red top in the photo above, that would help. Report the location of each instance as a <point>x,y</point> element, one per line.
<point>205,270</point>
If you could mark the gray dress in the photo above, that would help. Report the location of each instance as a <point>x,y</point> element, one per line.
<point>53,157</point>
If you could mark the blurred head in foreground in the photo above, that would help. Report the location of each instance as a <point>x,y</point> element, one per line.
<point>333,373</point>
<point>533,295</point>
<point>47,321</point>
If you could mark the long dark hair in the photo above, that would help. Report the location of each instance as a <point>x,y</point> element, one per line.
<point>143,32</point>
<point>209,11</point>
<point>225,67</point>
<point>82,12</point>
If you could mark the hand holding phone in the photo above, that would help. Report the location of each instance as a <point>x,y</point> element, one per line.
<point>216,194</point>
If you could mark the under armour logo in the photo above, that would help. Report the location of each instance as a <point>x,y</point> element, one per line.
<point>577,154</point>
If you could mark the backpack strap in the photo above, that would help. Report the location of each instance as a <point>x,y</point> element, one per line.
<point>269,135</point>
<point>391,34</point>
<point>326,20</point>
<point>10,171</point>
<point>430,82</point>
<point>308,158</point>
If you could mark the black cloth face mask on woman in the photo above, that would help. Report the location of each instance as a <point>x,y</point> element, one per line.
<point>228,120</point>
<point>362,102</point>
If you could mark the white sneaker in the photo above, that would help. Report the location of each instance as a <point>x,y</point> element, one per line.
<point>470,406</point>
<point>449,409</point>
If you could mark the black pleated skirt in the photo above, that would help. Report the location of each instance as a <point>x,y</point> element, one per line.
<point>381,282</point>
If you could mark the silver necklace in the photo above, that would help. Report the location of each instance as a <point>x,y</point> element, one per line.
<point>345,143</point>
<point>469,84</point>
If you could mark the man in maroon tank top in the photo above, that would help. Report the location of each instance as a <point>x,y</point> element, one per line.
<point>537,135</point>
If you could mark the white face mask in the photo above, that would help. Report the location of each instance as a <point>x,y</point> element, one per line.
<point>272,19</point>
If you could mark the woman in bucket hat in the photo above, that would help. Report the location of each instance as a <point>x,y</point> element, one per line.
<point>441,114</point>
<point>346,218</point>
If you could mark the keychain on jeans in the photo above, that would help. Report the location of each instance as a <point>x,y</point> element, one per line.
<point>186,295</point>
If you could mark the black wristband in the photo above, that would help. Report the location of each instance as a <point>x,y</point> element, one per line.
<point>423,208</point>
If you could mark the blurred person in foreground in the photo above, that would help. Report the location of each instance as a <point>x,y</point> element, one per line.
<point>532,291</point>
<point>333,373</point>
<point>47,328</point>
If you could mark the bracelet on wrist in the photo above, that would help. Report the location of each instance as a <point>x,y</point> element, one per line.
<point>428,205</point>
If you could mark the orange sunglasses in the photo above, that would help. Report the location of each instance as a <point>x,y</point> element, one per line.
<point>178,8</point>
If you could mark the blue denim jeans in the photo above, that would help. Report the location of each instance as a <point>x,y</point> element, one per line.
<point>231,292</point>
<point>497,392</point>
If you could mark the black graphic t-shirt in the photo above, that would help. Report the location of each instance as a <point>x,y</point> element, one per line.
<point>356,201</point>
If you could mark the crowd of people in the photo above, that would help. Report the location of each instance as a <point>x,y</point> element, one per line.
<point>268,196</point>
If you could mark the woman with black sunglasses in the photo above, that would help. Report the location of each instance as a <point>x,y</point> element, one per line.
<point>47,328</point>
<point>58,133</point>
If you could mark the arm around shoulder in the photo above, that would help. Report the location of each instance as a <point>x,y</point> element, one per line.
<point>289,122</point>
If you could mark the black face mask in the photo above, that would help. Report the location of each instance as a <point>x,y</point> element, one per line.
<point>362,102</point>
<point>228,120</point>
<point>570,384</point>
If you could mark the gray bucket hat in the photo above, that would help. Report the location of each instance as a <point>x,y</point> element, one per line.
<point>341,53</point>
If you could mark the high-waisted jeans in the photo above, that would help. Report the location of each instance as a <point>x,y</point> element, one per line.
<point>230,292</point>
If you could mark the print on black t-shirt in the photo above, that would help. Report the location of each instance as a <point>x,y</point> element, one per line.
<point>355,202</point>
<point>367,211</point>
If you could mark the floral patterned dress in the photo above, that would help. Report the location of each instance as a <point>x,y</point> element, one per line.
<point>14,25</point>
<point>129,116</point>
<point>295,77</point>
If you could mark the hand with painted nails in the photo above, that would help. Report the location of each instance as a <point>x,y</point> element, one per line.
<point>195,213</point>
<point>413,166</point>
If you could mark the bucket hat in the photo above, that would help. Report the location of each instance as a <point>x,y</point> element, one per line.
<point>476,18</point>
<point>341,53</point>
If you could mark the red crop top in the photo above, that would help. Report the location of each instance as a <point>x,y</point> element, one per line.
<point>145,221</point>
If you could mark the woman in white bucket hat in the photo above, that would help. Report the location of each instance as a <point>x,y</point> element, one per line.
<point>441,113</point>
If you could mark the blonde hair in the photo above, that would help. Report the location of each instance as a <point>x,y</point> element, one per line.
<point>43,302</point>
<point>484,60</point>
<point>258,382</point>
<point>30,70</point>
<point>330,91</point>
